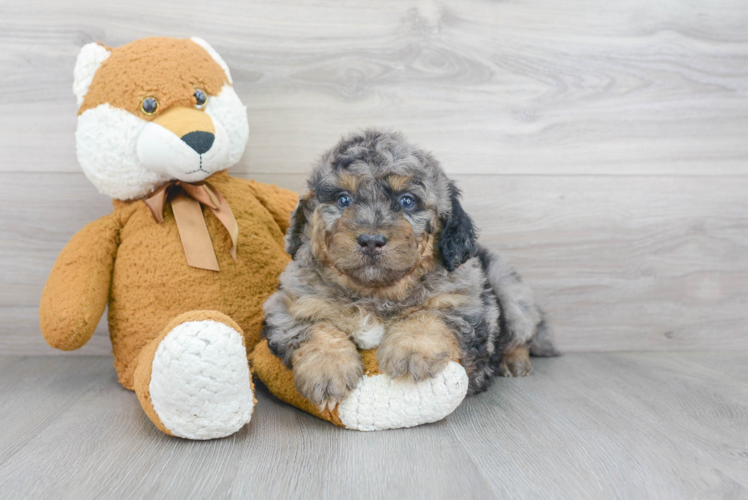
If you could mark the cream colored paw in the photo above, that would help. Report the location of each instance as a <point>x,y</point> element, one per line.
<point>380,402</point>
<point>327,367</point>
<point>200,383</point>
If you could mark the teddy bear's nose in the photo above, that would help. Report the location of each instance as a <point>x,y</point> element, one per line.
<point>199,141</point>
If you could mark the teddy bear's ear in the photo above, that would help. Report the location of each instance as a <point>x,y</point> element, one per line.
<point>89,59</point>
<point>217,58</point>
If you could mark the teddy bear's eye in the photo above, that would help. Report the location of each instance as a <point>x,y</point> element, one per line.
<point>201,98</point>
<point>149,105</point>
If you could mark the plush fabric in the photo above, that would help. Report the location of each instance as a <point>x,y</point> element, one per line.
<point>182,382</point>
<point>77,290</point>
<point>166,68</point>
<point>149,283</point>
<point>89,60</point>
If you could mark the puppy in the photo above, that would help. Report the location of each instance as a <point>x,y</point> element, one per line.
<point>385,257</point>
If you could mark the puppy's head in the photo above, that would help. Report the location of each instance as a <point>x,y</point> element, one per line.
<point>377,210</point>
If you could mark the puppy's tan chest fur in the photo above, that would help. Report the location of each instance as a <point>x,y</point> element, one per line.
<point>363,324</point>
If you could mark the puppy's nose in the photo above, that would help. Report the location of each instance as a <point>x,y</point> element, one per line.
<point>200,141</point>
<point>372,244</point>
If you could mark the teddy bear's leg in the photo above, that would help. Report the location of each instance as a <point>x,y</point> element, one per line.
<point>193,380</point>
<point>378,402</point>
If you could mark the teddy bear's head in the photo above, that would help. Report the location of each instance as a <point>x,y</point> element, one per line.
<point>153,111</point>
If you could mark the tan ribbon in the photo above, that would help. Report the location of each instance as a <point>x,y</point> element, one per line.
<point>185,201</point>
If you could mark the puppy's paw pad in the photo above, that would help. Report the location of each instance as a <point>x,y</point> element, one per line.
<point>516,363</point>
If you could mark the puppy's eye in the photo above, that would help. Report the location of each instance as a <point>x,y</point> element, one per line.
<point>149,105</point>
<point>201,98</point>
<point>407,202</point>
<point>344,201</point>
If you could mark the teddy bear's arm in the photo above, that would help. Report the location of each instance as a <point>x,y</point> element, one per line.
<point>77,289</point>
<point>278,201</point>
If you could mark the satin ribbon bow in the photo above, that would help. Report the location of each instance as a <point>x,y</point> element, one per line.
<point>185,201</point>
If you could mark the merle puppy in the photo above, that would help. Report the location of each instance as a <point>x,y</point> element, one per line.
<point>384,256</point>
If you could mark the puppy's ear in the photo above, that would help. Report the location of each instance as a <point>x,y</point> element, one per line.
<point>296,226</point>
<point>457,242</point>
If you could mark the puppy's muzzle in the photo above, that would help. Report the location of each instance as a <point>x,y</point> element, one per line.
<point>372,244</point>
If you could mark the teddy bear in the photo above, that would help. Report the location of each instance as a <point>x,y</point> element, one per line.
<point>189,253</point>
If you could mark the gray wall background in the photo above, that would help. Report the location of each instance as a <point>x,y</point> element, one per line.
<point>601,146</point>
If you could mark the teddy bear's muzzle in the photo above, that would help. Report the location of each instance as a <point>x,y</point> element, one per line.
<point>184,143</point>
<point>182,121</point>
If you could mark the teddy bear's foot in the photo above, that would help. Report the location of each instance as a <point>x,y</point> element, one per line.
<point>380,402</point>
<point>193,381</point>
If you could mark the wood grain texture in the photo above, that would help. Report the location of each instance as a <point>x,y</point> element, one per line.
<point>583,426</point>
<point>601,148</point>
<point>501,87</point>
<point>637,264</point>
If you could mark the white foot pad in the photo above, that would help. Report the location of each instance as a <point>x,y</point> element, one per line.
<point>200,385</point>
<point>379,402</point>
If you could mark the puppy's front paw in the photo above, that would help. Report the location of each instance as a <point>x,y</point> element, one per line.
<point>325,372</point>
<point>400,356</point>
<point>516,363</point>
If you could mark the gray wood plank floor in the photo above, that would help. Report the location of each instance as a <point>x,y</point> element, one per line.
<point>626,425</point>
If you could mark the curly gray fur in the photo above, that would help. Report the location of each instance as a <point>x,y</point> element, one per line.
<point>476,294</point>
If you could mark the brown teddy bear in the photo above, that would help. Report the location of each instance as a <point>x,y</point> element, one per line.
<point>190,253</point>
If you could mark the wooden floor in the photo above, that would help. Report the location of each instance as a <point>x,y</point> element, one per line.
<point>626,425</point>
